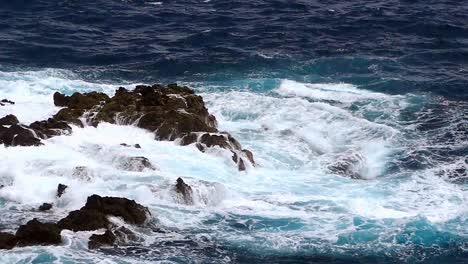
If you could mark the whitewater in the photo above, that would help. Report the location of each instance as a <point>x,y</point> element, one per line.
<point>291,205</point>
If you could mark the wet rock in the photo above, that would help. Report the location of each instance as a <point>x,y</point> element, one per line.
<point>124,235</point>
<point>18,135</point>
<point>80,101</point>
<point>84,220</point>
<point>185,190</point>
<point>137,146</point>
<point>45,207</point>
<point>7,240</point>
<point>9,120</point>
<point>93,215</point>
<point>69,115</point>
<point>126,145</point>
<point>61,189</point>
<point>37,233</point>
<point>97,241</point>
<point>135,164</point>
<point>51,127</point>
<point>6,101</point>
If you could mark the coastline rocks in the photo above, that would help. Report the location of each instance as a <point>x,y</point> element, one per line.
<point>9,120</point>
<point>7,240</point>
<point>37,233</point>
<point>18,135</point>
<point>185,191</point>
<point>50,127</point>
<point>93,215</point>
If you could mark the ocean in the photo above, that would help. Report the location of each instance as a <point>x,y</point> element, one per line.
<point>302,84</point>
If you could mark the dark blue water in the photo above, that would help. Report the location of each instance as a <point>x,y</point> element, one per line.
<point>392,46</point>
<point>417,49</point>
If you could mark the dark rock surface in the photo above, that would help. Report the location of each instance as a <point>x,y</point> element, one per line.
<point>185,190</point>
<point>45,207</point>
<point>6,101</point>
<point>37,233</point>
<point>61,189</point>
<point>171,112</point>
<point>97,241</point>
<point>7,240</point>
<point>8,120</point>
<point>93,215</point>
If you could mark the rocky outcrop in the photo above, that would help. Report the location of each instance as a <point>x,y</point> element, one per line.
<point>18,135</point>
<point>9,120</point>
<point>171,112</point>
<point>37,233</point>
<point>7,240</point>
<point>93,215</point>
<point>184,190</point>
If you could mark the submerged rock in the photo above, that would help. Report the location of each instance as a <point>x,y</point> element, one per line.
<point>349,165</point>
<point>135,164</point>
<point>7,240</point>
<point>185,190</point>
<point>93,215</point>
<point>37,233</point>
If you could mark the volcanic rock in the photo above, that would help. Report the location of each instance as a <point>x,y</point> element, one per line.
<point>9,120</point>
<point>18,135</point>
<point>7,240</point>
<point>37,233</point>
<point>97,241</point>
<point>185,190</point>
<point>45,207</point>
<point>61,189</point>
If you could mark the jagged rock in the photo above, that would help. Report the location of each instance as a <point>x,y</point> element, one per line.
<point>61,189</point>
<point>93,215</point>
<point>7,240</point>
<point>9,120</point>
<point>18,135</point>
<point>50,127</point>
<point>185,190</point>
<point>80,101</point>
<point>37,233</point>
<point>135,164</point>
<point>45,207</point>
<point>97,241</point>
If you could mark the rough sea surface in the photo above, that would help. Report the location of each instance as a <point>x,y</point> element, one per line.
<point>303,84</point>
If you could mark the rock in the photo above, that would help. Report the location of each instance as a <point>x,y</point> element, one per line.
<point>37,233</point>
<point>126,145</point>
<point>6,101</point>
<point>84,220</point>
<point>45,207</point>
<point>9,120</point>
<point>185,190</point>
<point>97,241</point>
<point>18,135</point>
<point>61,189</point>
<point>51,127</point>
<point>80,101</point>
<point>93,215</point>
<point>135,164</point>
<point>137,146</point>
<point>7,240</point>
